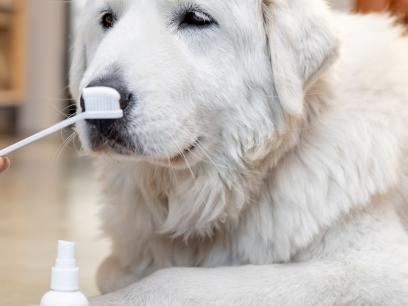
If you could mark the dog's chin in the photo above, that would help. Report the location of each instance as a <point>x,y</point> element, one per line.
<point>184,159</point>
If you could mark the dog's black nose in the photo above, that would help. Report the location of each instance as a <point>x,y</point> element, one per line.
<point>104,126</point>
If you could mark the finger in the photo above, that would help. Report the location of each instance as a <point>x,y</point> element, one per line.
<point>4,163</point>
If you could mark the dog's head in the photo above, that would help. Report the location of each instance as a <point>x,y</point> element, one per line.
<point>199,78</point>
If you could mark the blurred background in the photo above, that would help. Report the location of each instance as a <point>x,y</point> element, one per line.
<point>50,192</point>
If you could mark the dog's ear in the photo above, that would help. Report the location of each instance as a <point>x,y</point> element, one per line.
<point>302,45</point>
<point>78,65</point>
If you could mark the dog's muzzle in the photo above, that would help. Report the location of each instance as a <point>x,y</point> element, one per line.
<point>102,131</point>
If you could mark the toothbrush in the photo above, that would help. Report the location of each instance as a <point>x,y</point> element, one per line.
<point>100,103</point>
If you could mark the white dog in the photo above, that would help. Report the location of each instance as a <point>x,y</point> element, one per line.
<point>262,156</point>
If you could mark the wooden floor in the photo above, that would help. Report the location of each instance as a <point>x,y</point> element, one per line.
<point>44,197</point>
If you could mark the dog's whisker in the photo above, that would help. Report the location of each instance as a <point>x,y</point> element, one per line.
<point>183,155</point>
<point>202,150</point>
<point>61,112</point>
<point>172,170</point>
<point>211,161</point>
<point>64,145</point>
<point>76,146</point>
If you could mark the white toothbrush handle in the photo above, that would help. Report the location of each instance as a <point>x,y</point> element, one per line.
<point>42,134</point>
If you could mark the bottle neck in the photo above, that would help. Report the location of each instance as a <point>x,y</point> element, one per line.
<point>65,279</point>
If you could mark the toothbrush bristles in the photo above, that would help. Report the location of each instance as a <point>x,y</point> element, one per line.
<point>101,104</point>
<point>101,99</point>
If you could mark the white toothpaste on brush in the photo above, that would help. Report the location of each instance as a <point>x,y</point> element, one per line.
<point>100,103</point>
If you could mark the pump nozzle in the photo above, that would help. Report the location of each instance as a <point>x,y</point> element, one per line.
<point>66,255</point>
<point>66,250</point>
<point>65,273</point>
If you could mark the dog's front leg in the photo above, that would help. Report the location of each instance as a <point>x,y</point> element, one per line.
<point>294,284</point>
<point>314,283</point>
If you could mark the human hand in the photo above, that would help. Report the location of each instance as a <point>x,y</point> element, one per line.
<point>4,163</point>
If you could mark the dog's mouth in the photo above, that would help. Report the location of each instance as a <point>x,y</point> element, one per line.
<point>104,145</point>
<point>100,144</point>
<point>110,141</point>
<point>185,152</point>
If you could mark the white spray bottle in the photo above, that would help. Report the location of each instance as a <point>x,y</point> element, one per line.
<point>65,279</point>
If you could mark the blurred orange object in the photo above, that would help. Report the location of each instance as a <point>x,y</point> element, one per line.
<point>365,6</point>
<point>398,7</point>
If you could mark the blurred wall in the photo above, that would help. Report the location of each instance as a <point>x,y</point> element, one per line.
<point>46,40</point>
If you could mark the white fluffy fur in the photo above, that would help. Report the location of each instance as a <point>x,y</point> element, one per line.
<point>292,197</point>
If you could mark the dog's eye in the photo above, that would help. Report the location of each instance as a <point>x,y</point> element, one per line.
<point>196,19</point>
<point>107,20</point>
